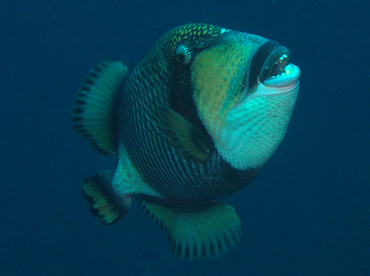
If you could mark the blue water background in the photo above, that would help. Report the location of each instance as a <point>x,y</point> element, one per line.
<point>307,213</point>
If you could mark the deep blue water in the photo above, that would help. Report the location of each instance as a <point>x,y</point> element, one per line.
<point>307,213</point>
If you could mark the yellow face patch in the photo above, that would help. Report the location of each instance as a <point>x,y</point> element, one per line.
<point>219,79</point>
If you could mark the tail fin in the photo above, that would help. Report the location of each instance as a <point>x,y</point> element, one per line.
<point>197,233</point>
<point>104,204</point>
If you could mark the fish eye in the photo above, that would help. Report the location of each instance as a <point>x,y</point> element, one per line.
<point>183,54</point>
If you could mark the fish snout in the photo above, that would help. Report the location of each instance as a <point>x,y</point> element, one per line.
<point>271,66</point>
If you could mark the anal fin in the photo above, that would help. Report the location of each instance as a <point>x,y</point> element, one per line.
<point>196,233</point>
<point>104,204</point>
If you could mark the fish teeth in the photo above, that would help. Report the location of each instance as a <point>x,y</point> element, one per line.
<point>287,70</point>
<point>283,57</point>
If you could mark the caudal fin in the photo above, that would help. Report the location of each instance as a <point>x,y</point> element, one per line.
<point>197,233</point>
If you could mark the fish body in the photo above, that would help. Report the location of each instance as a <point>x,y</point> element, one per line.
<point>195,121</point>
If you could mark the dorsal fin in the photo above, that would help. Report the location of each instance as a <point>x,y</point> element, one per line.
<point>94,111</point>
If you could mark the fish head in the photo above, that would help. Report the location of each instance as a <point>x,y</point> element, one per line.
<point>241,87</point>
<point>245,89</point>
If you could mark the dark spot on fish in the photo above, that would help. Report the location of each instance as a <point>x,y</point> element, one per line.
<point>173,245</point>
<point>219,245</point>
<point>235,238</point>
<point>84,88</point>
<point>178,250</point>
<point>195,252</point>
<point>92,210</point>
<point>98,70</point>
<point>92,74</point>
<point>212,249</point>
<point>80,102</point>
<point>77,126</point>
<point>227,241</point>
<point>88,81</point>
<point>187,252</point>
<point>78,110</point>
<point>76,119</point>
<point>203,251</point>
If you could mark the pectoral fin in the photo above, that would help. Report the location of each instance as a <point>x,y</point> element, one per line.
<point>187,137</point>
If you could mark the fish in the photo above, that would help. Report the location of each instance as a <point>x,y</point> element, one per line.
<point>193,122</point>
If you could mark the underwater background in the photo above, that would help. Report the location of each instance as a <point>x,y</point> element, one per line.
<point>307,213</point>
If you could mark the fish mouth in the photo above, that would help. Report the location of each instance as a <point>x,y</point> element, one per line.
<point>271,66</point>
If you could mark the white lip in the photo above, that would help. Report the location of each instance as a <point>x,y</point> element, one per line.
<point>289,77</point>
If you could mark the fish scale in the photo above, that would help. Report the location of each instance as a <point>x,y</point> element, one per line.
<point>172,176</point>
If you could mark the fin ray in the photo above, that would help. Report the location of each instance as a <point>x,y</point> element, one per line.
<point>103,203</point>
<point>95,105</point>
<point>196,233</point>
<point>184,135</point>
